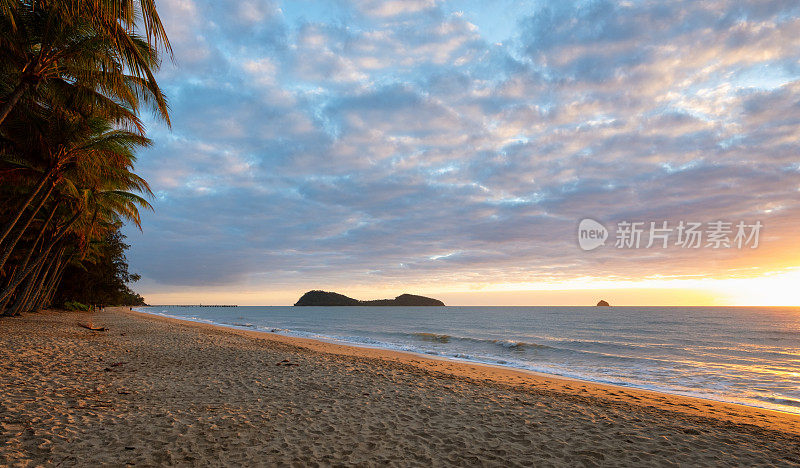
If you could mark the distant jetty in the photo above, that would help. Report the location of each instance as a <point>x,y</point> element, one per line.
<point>332,299</point>
<point>198,305</point>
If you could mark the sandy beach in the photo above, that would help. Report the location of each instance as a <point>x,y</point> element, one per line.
<point>155,391</point>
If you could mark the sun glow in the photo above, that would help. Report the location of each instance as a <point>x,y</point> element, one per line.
<point>779,289</point>
<point>771,289</point>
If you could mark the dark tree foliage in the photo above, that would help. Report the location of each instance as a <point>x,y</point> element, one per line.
<point>103,281</point>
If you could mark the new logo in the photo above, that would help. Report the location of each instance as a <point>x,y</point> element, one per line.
<point>591,234</point>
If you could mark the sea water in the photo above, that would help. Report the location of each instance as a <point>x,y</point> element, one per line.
<point>748,355</point>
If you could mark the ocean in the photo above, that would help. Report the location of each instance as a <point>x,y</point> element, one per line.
<point>746,355</point>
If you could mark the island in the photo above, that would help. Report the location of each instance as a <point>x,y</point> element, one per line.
<point>603,303</point>
<point>325,298</point>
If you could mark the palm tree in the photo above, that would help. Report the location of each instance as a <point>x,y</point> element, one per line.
<point>59,142</point>
<point>86,43</point>
<point>88,218</point>
<point>86,75</point>
<point>89,163</point>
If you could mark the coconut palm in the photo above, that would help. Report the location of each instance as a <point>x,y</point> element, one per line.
<point>57,145</point>
<point>90,44</point>
<point>90,213</point>
<point>88,165</point>
<point>76,66</point>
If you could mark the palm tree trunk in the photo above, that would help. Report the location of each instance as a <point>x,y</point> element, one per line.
<point>23,292</point>
<point>36,292</point>
<point>43,299</point>
<point>48,298</point>
<point>10,247</point>
<point>37,282</point>
<point>42,257</point>
<point>21,277</point>
<point>24,298</point>
<point>12,100</point>
<point>24,264</point>
<point>13,222</point>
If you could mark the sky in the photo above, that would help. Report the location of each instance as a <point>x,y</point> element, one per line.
<point>452,148</point>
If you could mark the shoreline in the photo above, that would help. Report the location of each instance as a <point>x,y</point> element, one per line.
<point>155,391</point>
<point>694,405</point>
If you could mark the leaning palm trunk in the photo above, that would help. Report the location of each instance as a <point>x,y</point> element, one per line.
<point>36,283</point>
<point>22,275</point>
<point>47,298</point>
<point>13,243</point>
<point>20,293</point>
<point>24,264</point>
<point>15,274</point>
<point>26,276</point>
<point>24,296</point>
<point>45,292</point>
<point>7,229</point>
<point>18,299</point>
<point>36,292</point>
<point>22,302</point>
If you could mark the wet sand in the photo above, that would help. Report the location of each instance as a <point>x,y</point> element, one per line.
<point>155,391</point>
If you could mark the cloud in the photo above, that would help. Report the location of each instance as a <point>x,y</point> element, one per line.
<point>387,142</point>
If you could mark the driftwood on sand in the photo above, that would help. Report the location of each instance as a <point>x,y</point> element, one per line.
<point>92,328</point>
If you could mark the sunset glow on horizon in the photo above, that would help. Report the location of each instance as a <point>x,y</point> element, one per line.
<point>774,290</point>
